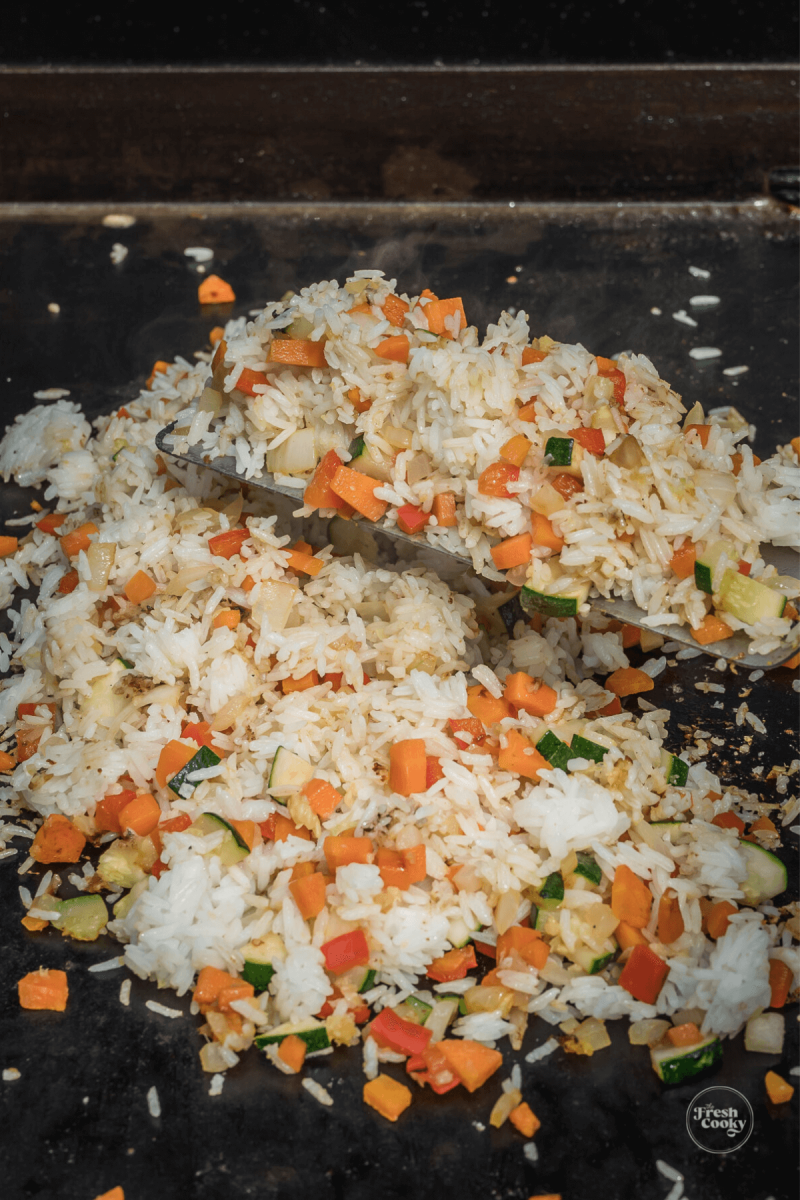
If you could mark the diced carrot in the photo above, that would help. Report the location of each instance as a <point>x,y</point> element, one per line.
<point>529,694</point>
<point>323,797</point>
<point>387,1096</point>
<point>309,680</point>
<point>7,761</point>
<point>728,820</point>
<point>702,432</point>
<point>631,898</point>
<point>51,522</point>
<point>248,380</point>
<point>438,312</point>
<point>494,480</point>
<point>566,485</point>
<point>219,355</point>
<point>643,974</point>
<point>359,403</point>
<point>670,922</point>
<point>778,1090</point>
<point>411,518</point>
<point>472,1062</point>
<point>44,989</point>
<point>140,587</point>
<point>228,543</point>
<point>792,663</point>
<point>29,708</point>
<point>485,948</point>
<point>57,841</point>
<point>33,924</point>
<point>795,444</point>
<point>427,294</point>
<point>544,534</point>
<point>526,942</point>
<point>297,352</point>
<point>172,759</point>
<point>301,870</point>
<point>175,824</point>
<point>472,727</point>
<point>592,440</point>
<point>283,827</point>
<point>519,756</point>
<point>210,982</point>
<point>68,583</point>
<point>214,290</point>
<point>713,629</point>
<point>292,1051</point>
<point>8,545</point>
<point>453,965</point>
<point>780,982</point>
<point>444,509</point>
<point>608,368</point>
<point>140,816</point>
<point>718,918</point>
<point>394,309</point>
<point>229,618</point>
<point>358,490</point>
<point>216,335</point>
<point>685,1035</point>
<point>527,412</point>
<point>159,368</point>
<point>239,990</point>
<point>683,560</point>
<point>401,868</point>
<point>342,850</point>
<point>525,1120</point>
<point>79,539</point>
<point>309,894</point>
<point>513,552</point>
<point>395,348</point>
<point>763,824</point>
<point>487,708</point>
<point>360,308</point>
<point>106,813</point>
<point>628,681</point>
<point>319,493</point>
<point>738,459</point>
<point>407,766</point>
<point>515,450</point>
<point>627,936</point>
<point>529,355</point>
<point>612,709</point>
<point>306,563</point>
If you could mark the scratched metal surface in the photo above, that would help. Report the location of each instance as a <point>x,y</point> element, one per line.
<point>591,273</point>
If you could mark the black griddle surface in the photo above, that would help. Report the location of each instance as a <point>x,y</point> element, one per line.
<point>591,273</point>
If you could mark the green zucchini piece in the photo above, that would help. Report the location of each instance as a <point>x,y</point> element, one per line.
<point>554,750</point>
<point>581,747</point>
<point>559,451</point>
<point>259,958</point>
<point>180,783</point>
<point>675,769</point>
<point>232,849</point>
<point>421,1009</point>
<point>537,917</point>
<point>369,980</point>
<point>462,1004</point>
<point>120,864</point>
<point>748,599</point>
<point>551,893</point>
<point>312,1032</point>
<point>564,604</point>
<point>766,874</point>
<point>288,770</point>
<point>588,868</point>
<point>676,1064</point>
<point>706,564</point>
<point>589,960</point>
<point>127,665</point>
<point>83,917</point>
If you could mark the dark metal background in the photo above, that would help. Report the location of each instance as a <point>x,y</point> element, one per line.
<point>77,1120</point>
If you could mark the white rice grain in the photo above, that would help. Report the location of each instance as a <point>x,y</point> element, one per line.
<point>318,1092</point>
<point>108,964</point>
<point>162,1009</point>
<point>153,1103</point>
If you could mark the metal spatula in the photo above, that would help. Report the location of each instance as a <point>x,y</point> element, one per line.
<point>379,542</point>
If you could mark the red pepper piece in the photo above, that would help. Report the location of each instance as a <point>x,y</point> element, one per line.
<point>346,951</point>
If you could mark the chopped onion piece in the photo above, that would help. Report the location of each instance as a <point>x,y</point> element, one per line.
<point>764,1033</point>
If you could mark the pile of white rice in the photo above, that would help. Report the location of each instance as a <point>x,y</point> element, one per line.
<point>421,646</point>
<point>440,420</point>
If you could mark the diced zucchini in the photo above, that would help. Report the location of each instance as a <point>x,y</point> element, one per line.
<point>288,771</point>
<point>677,833</point>
<point>559,451</point>
<point>588,868</point>
<point>551,893</point>
<point>582,747</point>
<point>748,599</point>
<point>459,933</point>
<point>537,917</point>
<point>706,564</point>
<point>562,604</point>
<point>590,960</point>
<point>120,864</point>
<point>127,665</point>
<point>83,917</point>
<point>460,1001</point>
<point>104,704</point>
<point>312,1032</point>
<point>180,783</point>
<point>420,1007</point>
<point>232,849</point>
<point>296,456</point>
<point>554,750</point>
<point>676,771</point>
<point>370,461</point>
<point>676,1064</point>
<point>766,874</point>
<point>369,980</point>
<point>602,417</point>
<point>259,959</point>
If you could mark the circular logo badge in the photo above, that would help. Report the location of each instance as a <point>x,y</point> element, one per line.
<point>719,1120</point>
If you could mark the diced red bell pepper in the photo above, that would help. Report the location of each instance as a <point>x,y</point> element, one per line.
<point>106,814</point>
<point>412,519</point>
<point>395,1033</point>
<point>608,368</point>
<point>441,1076</point>
<point>433,771</point>
<point>158,867</point>
<point>468,725</point>
<point>346,951</point>
<point>494,480</point>
<point>453,965</point>
<point>643,974</point>
<point>175,824</point>
<point>591,440</point>
<point>225,545</point>
<point>612,709</point>
<point>566,485</point>
<point>202,734</point>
